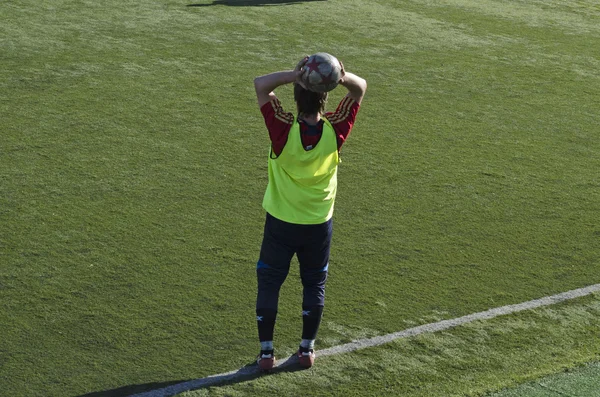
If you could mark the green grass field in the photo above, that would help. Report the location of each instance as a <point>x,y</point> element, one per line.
<point>581,382</point>
<point>133,164</point>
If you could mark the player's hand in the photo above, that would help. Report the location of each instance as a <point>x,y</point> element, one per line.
<point>301,64</point>
<point>298,70</point>
<point>342,73</point>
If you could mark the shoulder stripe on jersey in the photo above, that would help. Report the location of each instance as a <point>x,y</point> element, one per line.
<point>342,111</point>
<point>280,114</point>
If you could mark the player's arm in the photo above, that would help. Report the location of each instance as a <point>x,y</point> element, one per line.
<point>357,86</point>
<point>265,85</point>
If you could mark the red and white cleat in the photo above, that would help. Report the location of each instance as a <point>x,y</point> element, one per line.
<point>265,361</point>
<point>306,358</point>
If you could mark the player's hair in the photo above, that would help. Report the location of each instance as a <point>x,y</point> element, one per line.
<point>309,102</point>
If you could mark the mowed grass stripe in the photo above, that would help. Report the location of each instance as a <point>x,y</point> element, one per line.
<point>579,382</point>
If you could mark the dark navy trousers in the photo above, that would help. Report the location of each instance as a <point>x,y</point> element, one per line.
<point>281,240</point>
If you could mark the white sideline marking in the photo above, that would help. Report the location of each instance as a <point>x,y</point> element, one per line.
<point>252,371</point>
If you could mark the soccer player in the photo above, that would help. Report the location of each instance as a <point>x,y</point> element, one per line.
<point>299,199</point>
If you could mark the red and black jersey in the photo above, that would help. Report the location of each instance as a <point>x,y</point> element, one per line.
<point>279,123</point>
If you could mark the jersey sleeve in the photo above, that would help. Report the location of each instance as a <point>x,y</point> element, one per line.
<point>278,122</point>
<point>343,119</point>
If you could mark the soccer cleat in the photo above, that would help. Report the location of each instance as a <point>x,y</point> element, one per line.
<point>266,360</point>
<point>306,357</point>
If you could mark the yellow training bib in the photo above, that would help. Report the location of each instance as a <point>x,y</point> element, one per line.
<point>302,184</point>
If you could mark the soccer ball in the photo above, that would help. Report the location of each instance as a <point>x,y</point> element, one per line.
<point>321,72</point>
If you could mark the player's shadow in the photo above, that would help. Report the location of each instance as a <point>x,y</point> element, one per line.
<point>250,3</point>
<point>131,390</point>
<point>172,388</point>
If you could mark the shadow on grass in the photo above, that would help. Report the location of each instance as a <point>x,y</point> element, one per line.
<point>165,389</point>
<point>250,3</point>
<point>131,390</point>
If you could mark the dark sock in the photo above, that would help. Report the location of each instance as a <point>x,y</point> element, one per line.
<point>265,319</point>
<point>266,352</point>
<point>311,319</point>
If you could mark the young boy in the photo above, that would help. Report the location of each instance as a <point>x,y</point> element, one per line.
<point>299,199</point>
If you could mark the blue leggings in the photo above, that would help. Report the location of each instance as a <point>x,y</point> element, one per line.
<point>281,240</point>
